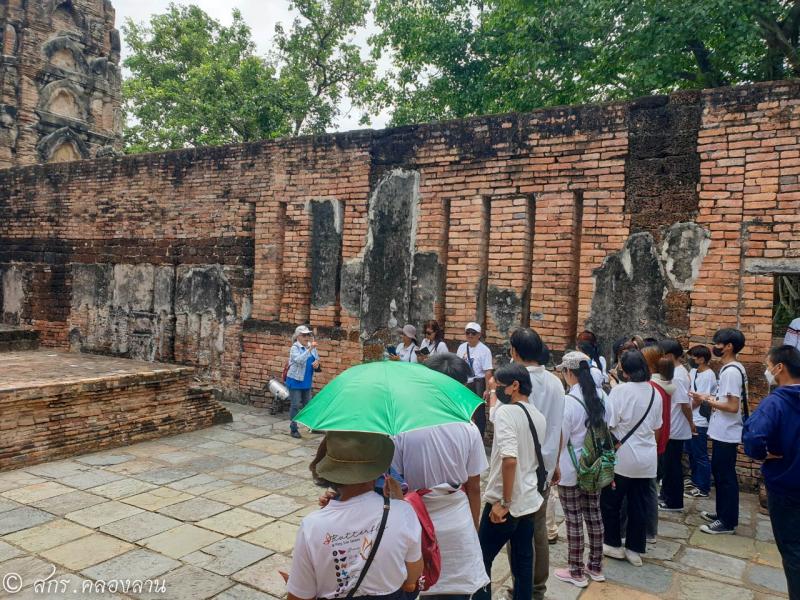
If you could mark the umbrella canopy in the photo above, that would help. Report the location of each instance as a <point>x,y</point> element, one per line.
<point>389,397</point>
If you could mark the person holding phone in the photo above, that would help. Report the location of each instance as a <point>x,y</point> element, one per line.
<point>433,340</point>
<point>303,362</point>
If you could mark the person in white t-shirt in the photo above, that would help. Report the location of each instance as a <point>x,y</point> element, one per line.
<point>792,337</point>
<point>547,396</point>
<point>432,341</point>
<point>407,349</point>
<point>479,358</point>
<point>681,430</point>
<point>512,496</point>
<point>632,408</point>
<point>725,431</point>
<point>442,459</point>
<point>702,380</point>
<point>334,544</point>
<point>584,407</point>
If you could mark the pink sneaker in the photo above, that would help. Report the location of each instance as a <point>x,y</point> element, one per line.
<point>595,575</point>
<point>566,576</point>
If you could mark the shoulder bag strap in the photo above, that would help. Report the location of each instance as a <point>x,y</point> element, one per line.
<point>377,543</point>
<point>744,405</point>
<point>541,471</point>
<point>639,424</point>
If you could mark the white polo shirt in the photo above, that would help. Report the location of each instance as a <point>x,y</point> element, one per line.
<point>702,383</point>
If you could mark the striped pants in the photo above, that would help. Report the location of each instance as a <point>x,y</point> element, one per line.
<point>579,507</point>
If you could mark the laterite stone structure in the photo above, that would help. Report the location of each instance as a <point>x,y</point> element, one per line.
<point>59,81</point>
<point>668,215</point>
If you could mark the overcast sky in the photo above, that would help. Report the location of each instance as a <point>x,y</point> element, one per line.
<point>260,15</point>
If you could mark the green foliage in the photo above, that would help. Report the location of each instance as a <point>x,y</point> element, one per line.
<point>196,82</point>
<point>456,58</point>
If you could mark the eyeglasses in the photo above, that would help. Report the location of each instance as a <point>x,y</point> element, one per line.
<point>472,333</point>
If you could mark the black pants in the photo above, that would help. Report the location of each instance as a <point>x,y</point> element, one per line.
<point>723,468</point>
<point>672,483</point>
<point>479,417</point>
<point>784,512</point>
<point>518,531</point>
<point>636,491</point>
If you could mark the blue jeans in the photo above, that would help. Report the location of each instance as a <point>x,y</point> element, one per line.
<point>697,447</point>
<point>784,512</point>
<point>493,536</point>
<point>297,400</point>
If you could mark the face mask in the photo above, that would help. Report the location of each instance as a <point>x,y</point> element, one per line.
<point>718,352</point>
<point>693,363</point>
<point>501,394</point>
<point>770,377</point>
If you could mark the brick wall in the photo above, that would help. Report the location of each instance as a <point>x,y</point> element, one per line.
<point>48,422</point>
<point>664,216</point>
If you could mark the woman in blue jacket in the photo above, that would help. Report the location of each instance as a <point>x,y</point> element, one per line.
<point>771,434</point>
<point>303,361</point>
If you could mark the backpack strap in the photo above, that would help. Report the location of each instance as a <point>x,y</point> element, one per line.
<point>541,472</point>
<point>743,404</point>
<point>639,424</point>
<point>377,543</point>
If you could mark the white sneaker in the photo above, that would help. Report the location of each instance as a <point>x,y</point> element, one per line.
<point>633,557</point>
<point>651,541</point>
<point>613,552</point>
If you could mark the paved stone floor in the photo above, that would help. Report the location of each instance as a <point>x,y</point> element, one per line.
<point>213,514</point>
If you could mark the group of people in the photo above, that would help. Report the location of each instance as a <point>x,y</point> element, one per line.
<point>645,411</point>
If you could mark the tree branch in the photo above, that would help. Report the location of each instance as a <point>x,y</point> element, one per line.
<point>703,57</point>
<point>776,39</point>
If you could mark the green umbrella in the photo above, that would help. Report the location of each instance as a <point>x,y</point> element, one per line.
<point>389,397</point>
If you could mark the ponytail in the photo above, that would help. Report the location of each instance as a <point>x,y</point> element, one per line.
<point>595,409</point>
<point>591,350</point>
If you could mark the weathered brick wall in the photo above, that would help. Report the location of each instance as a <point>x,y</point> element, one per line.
<point>664,216</point>
<point>44,423</point>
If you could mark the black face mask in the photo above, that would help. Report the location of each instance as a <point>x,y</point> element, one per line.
<point>501,394</point>
<point>693,363</point>
<point>718,352</point>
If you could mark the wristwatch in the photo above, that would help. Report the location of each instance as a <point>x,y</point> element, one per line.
<point>503,503</point>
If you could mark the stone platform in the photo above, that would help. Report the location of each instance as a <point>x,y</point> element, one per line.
<point>57,404</point>
<point>17,338</point>
<point>214,514</point>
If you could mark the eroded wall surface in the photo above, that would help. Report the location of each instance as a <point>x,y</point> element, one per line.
<point>59,81</point>
<point>664,216</point>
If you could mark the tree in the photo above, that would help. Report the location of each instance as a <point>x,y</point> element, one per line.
<point>319,66</point>
<point>456,58</point>
<point>196,82</point>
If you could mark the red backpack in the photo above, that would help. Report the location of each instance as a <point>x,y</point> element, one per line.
<point>431,556</point>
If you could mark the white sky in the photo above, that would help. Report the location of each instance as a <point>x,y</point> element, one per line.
<point>260,15</point>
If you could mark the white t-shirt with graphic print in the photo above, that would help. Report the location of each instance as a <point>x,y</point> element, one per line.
<point>333,544</point>
<point>480,358</point>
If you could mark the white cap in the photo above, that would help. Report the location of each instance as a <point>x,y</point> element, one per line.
<point>300,330</point>
<point>572,360</point>
<point>473,326</point>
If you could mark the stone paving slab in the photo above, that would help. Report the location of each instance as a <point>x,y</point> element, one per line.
<point>218,517</point>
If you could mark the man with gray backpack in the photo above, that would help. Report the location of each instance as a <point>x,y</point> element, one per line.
<point>587,465</point>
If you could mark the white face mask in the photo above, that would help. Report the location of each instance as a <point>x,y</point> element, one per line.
<point>770,377</point>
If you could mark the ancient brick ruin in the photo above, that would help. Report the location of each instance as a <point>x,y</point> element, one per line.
<point>668,215</point>
<point>59,81</point>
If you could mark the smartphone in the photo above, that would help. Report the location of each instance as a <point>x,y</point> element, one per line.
<point>392,350</point>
